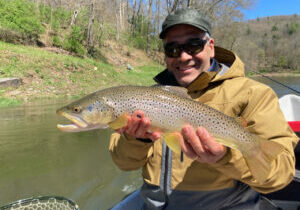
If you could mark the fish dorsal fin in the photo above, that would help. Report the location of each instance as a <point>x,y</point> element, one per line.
<point>180,91</point>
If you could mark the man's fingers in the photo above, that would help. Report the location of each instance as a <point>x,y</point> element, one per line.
<point>209,142</point>
<point>187,149</point>
<point>201,145</point>
<point>190,136</point>
<point>153,136</point>
<point>143,126</point>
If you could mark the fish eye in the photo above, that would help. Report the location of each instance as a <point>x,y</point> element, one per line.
<point>76,109</point>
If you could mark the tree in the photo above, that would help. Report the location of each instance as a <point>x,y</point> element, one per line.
<point>91,25</point>
<point>149,26</point>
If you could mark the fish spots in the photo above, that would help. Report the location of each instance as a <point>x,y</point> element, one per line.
<point>166,110</point>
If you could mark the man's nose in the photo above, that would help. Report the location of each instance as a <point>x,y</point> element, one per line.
<point>184,56</point>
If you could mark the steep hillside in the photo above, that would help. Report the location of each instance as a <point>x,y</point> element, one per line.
<point>270,44</point>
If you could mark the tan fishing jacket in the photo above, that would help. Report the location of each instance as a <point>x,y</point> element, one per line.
<point>230,92</point>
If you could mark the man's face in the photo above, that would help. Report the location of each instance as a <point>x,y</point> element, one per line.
<point>186,68</point>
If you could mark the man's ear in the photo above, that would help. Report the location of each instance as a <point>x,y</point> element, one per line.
<point>211,46</point>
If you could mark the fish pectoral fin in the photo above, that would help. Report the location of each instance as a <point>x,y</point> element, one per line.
<point>120,122</point>
<point>260,158</point>
<point>172,141</point>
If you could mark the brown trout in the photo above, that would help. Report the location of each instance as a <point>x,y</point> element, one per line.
<point>168,108</point>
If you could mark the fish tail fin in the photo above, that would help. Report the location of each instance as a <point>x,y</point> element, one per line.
<point>259,159</point>
<point>172,141</point>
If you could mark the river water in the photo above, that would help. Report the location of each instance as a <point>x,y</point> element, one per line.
<point>37,159</point>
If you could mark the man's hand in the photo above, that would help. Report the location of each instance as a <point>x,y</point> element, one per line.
<point>200,145</point>
<point>138,127</point>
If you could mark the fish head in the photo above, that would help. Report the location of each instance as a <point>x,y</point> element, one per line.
<point>89,113</point>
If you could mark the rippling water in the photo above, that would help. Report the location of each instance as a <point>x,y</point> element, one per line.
<point>37,159</point>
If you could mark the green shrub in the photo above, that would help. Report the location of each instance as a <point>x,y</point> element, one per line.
<point>274,28</point>
<point>139,42</point>
<point>73,42</point>
<point>45,13</point>
<point>62,16</point>
<point>97,54</point>
<point>21,16</point>
<point>56,42</point>
<point>282,62</point>
<point>292,28</point>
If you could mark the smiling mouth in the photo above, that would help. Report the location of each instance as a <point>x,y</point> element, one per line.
<point>184,68</point>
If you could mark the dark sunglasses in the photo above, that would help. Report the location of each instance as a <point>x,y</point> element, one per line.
<point>192,47</point>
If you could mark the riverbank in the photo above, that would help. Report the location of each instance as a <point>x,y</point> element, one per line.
<point>276,74</point>
<point>52,74</point>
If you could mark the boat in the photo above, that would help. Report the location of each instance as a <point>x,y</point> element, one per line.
<point>289,197</point>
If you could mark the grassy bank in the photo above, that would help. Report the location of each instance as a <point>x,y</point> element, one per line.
<point>47,74</point>
<point>295,73</point>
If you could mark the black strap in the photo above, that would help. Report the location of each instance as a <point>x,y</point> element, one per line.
<point>144,140</point>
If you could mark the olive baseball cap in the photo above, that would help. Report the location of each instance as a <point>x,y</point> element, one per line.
<point>187,16</point>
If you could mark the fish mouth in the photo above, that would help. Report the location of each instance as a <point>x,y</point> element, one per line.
<point>78,123</point>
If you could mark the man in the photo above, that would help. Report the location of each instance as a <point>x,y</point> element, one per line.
<point>208,175</point>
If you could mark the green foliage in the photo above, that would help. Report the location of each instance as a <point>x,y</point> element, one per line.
<point>138,38</point>
<point>141,25</point>
<point>56,17</point>
<point>21,16</point>
<point>96,53</point>
<point>139,42</point>
<point>282,62</point>
<point>292,28</point>
<point>263,70</point>
<point>8,102</point>
<point>274,28</point>
<point>55,25</point>
<point>74,41</point>
<point>275,37</point>
<point>45,13</point>
<point>248,32</point>
<point>62,16</point>
<point>105,31</point>
<point>56,41</point>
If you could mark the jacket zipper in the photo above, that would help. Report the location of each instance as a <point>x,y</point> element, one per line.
<point>166,177</point>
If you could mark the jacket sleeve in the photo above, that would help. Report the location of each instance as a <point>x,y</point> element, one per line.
<point>129,153</point>
<point>264,118</point>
